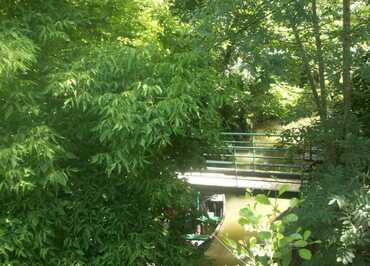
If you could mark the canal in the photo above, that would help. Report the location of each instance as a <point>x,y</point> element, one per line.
<point>217,252</point>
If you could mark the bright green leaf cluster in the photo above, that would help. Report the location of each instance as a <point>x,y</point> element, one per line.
<point>271,243</point>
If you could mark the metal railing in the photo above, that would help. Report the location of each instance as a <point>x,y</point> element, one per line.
<point>258,153</point>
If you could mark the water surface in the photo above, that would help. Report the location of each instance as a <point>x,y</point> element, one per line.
<point>220,255</point>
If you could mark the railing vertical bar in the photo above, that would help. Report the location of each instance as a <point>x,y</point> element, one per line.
<point>260,161</point>
<point>254,152</point>
<point>235,167</point>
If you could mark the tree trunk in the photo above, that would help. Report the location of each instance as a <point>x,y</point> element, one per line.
<point>347,88</point>
<point>320,60</point>
<point>307,68</point>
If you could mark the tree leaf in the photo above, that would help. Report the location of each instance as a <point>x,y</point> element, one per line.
<point>300,243</point>
<point>264,235</point>
<point>283,189</point>
<point>295,236</point>
<point>263,199</point>
<point>246,212</point>
<point>305,253</point>
<point>306,234</point>
<point>253,241</point>
<point>293,202</point>
<point>290,218</point>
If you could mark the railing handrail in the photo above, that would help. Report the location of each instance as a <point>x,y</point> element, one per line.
<point>255,147</point>
<point>236,150</point>
<point>267,134</point>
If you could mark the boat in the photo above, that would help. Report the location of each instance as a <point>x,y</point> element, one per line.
<point>209,224</point>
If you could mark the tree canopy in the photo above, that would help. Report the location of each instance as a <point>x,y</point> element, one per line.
<point>102,102</point>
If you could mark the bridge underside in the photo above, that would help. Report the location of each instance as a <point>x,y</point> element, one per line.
<point>221,180</point>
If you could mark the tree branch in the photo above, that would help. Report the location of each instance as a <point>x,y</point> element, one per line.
<point>320,59</point>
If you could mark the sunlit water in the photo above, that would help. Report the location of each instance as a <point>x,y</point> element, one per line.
<point>219,254</point>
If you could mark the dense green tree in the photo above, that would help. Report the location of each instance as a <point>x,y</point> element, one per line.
<point>269,42</point>
<point>98,112</point>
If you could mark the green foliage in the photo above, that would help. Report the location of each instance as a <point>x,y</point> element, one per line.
<point>97,115</point>
<point>103,101</point>
<point>271,243</point>
<point>162,99</point>
<point>255,47</point>
<point>361,93</point>
<point>342,177</point>
<point>336,209</point>
<point>355,229</point>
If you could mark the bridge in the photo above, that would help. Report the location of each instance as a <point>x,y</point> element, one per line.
<point>253,160</point>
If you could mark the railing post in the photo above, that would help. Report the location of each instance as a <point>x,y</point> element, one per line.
<point>253,152</point>
<point>235,167</point>
<point>235,163</point>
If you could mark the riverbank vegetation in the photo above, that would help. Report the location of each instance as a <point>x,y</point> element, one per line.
<point>102,102</point>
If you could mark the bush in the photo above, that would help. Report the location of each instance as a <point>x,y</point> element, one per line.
<point>271,243</point>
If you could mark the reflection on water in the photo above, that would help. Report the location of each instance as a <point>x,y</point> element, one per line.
<point>231,228</point>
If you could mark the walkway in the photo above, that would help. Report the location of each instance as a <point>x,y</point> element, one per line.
<point>219,180</point>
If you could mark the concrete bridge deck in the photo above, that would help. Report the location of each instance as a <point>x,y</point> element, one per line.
<point>221,180</point>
